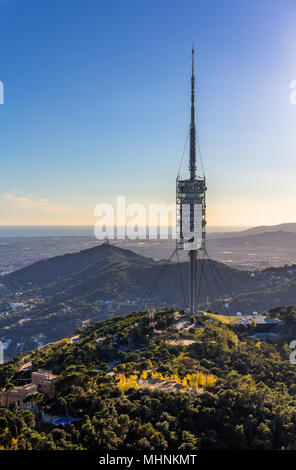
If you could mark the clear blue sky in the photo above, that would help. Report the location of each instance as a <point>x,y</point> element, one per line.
<point>97,105</point>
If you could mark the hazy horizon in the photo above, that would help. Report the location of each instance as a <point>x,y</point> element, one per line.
<point>11,231</point>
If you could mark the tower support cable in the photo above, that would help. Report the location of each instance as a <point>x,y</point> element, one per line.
<point>226,285</point>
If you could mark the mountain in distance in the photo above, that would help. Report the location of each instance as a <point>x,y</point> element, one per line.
<point>18,252</point>
<point>286,227</point>
<point>67,266</point>
<point>107,272</point>
<point>279,240</point>
<point>111,273</point>
<point>255,248</point>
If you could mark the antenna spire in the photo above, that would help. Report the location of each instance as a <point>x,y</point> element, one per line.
<point>192,164</point>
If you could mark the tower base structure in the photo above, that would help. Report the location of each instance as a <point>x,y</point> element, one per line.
<point>193,272</point>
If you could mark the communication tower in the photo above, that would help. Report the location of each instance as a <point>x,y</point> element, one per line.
<point>191,205</point>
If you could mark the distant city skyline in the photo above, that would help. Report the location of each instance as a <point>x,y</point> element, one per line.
<point>97,105</point>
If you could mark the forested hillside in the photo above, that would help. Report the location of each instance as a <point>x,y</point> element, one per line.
<point>192,384</point>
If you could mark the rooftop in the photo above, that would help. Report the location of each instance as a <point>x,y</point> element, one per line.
<point>258,319</point>
<point>46,374</point>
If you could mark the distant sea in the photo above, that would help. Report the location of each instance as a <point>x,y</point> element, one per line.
<point>8,231</point>
<point>46,231</point>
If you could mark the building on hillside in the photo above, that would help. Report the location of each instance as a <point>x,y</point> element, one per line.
<point>17,395</point>
<point>263,323</point>
<point>45,381</point>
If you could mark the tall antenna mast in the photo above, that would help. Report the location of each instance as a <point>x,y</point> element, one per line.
<point>192,168</point>
<point>192,164</point>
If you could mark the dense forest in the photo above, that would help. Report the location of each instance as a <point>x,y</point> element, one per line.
<point>204,387</point>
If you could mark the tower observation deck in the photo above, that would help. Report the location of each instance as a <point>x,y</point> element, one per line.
<point>191,206</point>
